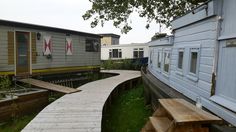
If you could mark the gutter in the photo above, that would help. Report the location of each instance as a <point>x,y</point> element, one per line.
<point>216,54</point>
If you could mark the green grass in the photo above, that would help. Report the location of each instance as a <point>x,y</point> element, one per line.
<point>16,125</point>
<point>127,113</point>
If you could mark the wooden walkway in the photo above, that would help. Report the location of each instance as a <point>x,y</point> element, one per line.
<point>49,86</point>
<point>81,111</point>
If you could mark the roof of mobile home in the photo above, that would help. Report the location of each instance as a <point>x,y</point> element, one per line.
<point>47,28</point>
<point>125,45</point>
<point>110,35</point>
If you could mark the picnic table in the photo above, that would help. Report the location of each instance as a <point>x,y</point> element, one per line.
<point>178,115</point>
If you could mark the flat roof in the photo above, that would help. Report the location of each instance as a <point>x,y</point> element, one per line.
<point>110,35</point>
<point>125,45</point>
<point>41,27</point>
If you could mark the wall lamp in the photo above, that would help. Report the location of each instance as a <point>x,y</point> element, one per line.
<point>38,36</point>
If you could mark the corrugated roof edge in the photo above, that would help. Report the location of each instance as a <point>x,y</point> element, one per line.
<point>40,27</point>
<point>191,10</point>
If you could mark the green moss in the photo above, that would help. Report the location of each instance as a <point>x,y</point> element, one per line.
<point>128,112</point>
<point>16,125</point>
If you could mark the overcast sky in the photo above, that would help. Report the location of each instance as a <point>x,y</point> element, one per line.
<point>68,14</point>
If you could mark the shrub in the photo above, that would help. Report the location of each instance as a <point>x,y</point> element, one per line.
<point>125,64</point>
<point>5,83</point>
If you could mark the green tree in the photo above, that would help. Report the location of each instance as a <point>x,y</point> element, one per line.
<point>118,11</point>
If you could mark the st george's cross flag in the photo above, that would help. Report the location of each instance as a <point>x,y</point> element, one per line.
<point>69,50</point>
<point>47,45</point>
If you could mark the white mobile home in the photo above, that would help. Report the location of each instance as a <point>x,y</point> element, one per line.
<point>200,61</point>
<point>34,49</point>
<point>124,51</point>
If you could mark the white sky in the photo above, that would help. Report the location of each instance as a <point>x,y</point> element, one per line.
<point>68,14</point>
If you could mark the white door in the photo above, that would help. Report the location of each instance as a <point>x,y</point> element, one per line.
<point>226,78</point>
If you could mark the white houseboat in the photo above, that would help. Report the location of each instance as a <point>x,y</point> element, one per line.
<point>198,61</point>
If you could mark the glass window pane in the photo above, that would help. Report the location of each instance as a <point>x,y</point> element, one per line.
<point>159,60</point>
<point>150,57</point>
<point>193,66</point>
<point>120,54</point>
<point>135,54</point>
<point>115,53</point>
<point>110,54</point>
<point>91,45</point>
<point>166,61</point>
<point>140,54</point>
<point>180,60</point>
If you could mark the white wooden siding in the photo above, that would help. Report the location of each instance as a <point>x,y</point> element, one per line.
<point>200,35</point>
<point>203,33</point>
<point>228,23</point>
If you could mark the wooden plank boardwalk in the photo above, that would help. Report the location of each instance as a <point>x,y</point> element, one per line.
<point>49,86</point>
<point>81,111</point>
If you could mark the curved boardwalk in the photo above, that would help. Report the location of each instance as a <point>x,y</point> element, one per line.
<point>82,111</point>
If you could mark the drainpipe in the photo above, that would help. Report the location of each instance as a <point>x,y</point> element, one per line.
<point>216,54</point>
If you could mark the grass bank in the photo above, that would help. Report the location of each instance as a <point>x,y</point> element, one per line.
<point>16,125</point>
<point>127,113</point>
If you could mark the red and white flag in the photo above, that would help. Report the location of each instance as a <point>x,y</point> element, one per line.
<point>69,50</point>
<point>47,45</point>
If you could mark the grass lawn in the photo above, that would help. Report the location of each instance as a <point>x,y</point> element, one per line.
<point>127,113</point>
<point>16,125</point>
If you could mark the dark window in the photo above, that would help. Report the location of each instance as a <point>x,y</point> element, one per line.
<point>135,54</point>
<point>120,53</point>
<point>138,53</point>
<point>92,45</point>
<point>115,53</point>
<point>110,53</point>
<point>159,59</point>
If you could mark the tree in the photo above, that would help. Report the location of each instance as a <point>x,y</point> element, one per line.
<point>118,11</point>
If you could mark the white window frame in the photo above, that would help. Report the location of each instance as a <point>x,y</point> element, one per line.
<point>178,70</point>
<point>168,51</point>
<point>190,75</point>
<point>138,51</point>
<point>119,52</point>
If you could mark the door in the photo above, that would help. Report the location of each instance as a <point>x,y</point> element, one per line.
<point>22,53</point>
<point>226,80</point>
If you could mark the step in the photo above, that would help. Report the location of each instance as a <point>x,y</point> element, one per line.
<point>160,124</point>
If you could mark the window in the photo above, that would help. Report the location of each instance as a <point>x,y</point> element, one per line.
<point>138,53</point>
<point>115,53</point>
<point>150,57</point>
<point>159,59</point>
<point>110,53</point>
<point>166,61</point>
<point>180,59</point>
<point>91,45</point>
<point>193,62</point>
